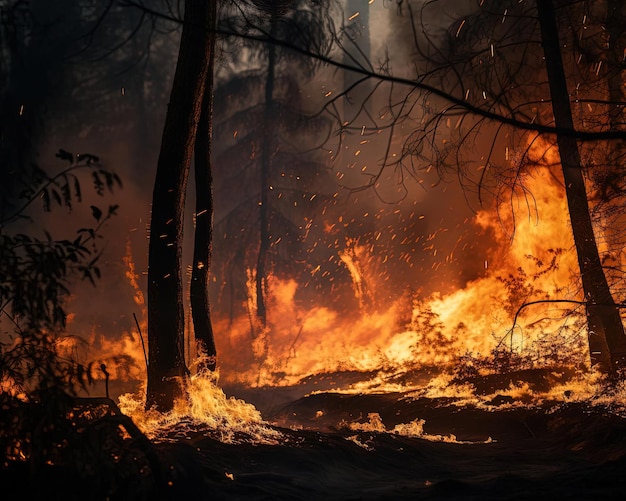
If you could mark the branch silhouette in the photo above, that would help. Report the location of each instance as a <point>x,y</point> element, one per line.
<point>458,103</point>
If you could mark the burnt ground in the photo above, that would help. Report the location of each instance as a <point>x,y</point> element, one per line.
<point>570,452</point>
<point>553,451</point>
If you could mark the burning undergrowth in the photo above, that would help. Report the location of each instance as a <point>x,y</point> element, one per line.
<point>522,313</point>
<point>513,335</point>
<point>403,449</point>
<point>413,429</point>
<point>206,409</point>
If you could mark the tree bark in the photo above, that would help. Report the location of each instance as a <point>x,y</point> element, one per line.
<point>199,290</point>
<point>607,342</point>
<point>166,365</point>
<point>266,153</point>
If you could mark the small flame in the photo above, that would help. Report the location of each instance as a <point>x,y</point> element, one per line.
<point>414,429</point>
<point>231,420</point>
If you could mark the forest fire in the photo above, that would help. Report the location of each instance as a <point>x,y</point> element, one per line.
<point>429,343</point>
<point>433,331</point>
<point>205,407</point>
<point>383,254</point>
<point>433,346</point>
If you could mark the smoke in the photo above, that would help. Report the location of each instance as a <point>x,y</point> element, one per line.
<point>404,235</point>
<point>368,238</point>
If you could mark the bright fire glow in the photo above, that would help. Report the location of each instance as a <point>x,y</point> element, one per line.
<point>476,318</point>
<point>230,420</point>
<point>414,429</point>
<point>430,345</point>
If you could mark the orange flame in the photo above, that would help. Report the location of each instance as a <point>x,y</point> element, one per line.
<point>441,328</point>
<point>230,420</point>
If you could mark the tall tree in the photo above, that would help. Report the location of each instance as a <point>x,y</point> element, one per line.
<point>203,236</point>
<point>165,293</point>
<point>604,61</point>
<point>275,11</point>
<point>268,144</point>
<point>488,87</point>
<point>607,341</point>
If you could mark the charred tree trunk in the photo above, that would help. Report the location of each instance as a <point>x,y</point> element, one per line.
<point>266,160</point>
<point>199,290</point>
<point>165,295</point>
<point>607,342</point>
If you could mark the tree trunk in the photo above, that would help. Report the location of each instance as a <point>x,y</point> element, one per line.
<point>199,290</point>
<point>166,365</point>
<point>607,343</point>
<point>266,153</point>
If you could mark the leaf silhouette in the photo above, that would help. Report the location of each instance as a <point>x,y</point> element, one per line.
<point>97,213</point>
<point>65,155</point>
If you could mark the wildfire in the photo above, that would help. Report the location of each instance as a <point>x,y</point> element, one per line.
<point>351,257</point>
<point>436,330</point>
<point>123,357</point>
<point>413,429</point>
<point>133,278</point>
<point>205,407</point>
<point>400,339</point>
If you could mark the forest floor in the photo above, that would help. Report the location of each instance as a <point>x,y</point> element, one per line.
<point>338,446</point>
